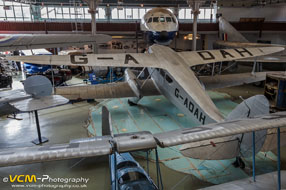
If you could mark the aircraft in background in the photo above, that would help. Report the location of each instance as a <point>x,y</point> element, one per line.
<point>170,75</point>
<point>159,25</point>
<point>231,38</point>
<point>13,42</point>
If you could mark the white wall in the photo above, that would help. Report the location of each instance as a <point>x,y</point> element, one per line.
<point>270,13</point>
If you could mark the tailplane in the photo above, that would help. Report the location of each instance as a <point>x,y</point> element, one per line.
<point>251,107</point>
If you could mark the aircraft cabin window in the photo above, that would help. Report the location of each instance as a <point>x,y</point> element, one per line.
<point>168,19</point>
<point>162,72</point>
<point>168,79</point>
<point>162,19</point>
<point>155,19</point>
<point>150,20</point>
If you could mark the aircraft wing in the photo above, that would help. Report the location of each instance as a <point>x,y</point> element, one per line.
<point>104,91</point>
<point>266,59</point>
<point>279,57</point>
<point>229,80</point>
<point>211,56</point>
<point>147,60</point>
<point>222,129</point>
<point>105,60</point>
<point>34,41</point>
<point>26,155</point>
<point>143,140</point>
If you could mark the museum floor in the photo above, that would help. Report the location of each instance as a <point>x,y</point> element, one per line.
<point>67,122</point>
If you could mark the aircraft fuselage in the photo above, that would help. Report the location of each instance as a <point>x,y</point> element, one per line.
<point>171,89</point>
<point>160,26</point>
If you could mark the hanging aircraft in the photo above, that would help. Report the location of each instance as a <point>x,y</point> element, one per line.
<point>231,38</point>
<point>159,25</point>
<point>13,42</point>
<point>170,75</point>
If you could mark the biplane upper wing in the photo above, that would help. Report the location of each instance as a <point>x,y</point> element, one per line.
<point>13,42</point>
<point>127,142</point>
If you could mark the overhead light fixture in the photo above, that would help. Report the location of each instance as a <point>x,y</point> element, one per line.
<point>117,37</point>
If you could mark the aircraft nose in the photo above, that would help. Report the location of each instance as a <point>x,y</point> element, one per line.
<point>164,35</point>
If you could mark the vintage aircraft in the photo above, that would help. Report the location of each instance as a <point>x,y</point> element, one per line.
<point>231,38</point>
<point>171,76</point>
<point>143,140</point>
<point>13,42</point>
<point>160,26</point>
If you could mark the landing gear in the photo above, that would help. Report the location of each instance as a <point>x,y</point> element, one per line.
<point>239,163</point>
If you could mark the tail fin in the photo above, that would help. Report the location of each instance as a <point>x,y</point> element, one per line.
<point>253,106</point>
<point>229,33</point>
<point>106,122</point>
<point>232,146</point>
<point>38,86</point>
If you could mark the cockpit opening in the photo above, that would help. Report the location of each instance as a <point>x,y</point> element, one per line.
<point>126,164</point>
<point>131,176</point>
<point>161,19</point>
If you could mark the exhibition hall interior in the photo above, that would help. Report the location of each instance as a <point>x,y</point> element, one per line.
<point>143,94</point>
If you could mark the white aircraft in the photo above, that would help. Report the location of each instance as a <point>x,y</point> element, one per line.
<point>13,42</point>
<point>160,26</point>
<point>171,76</point>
